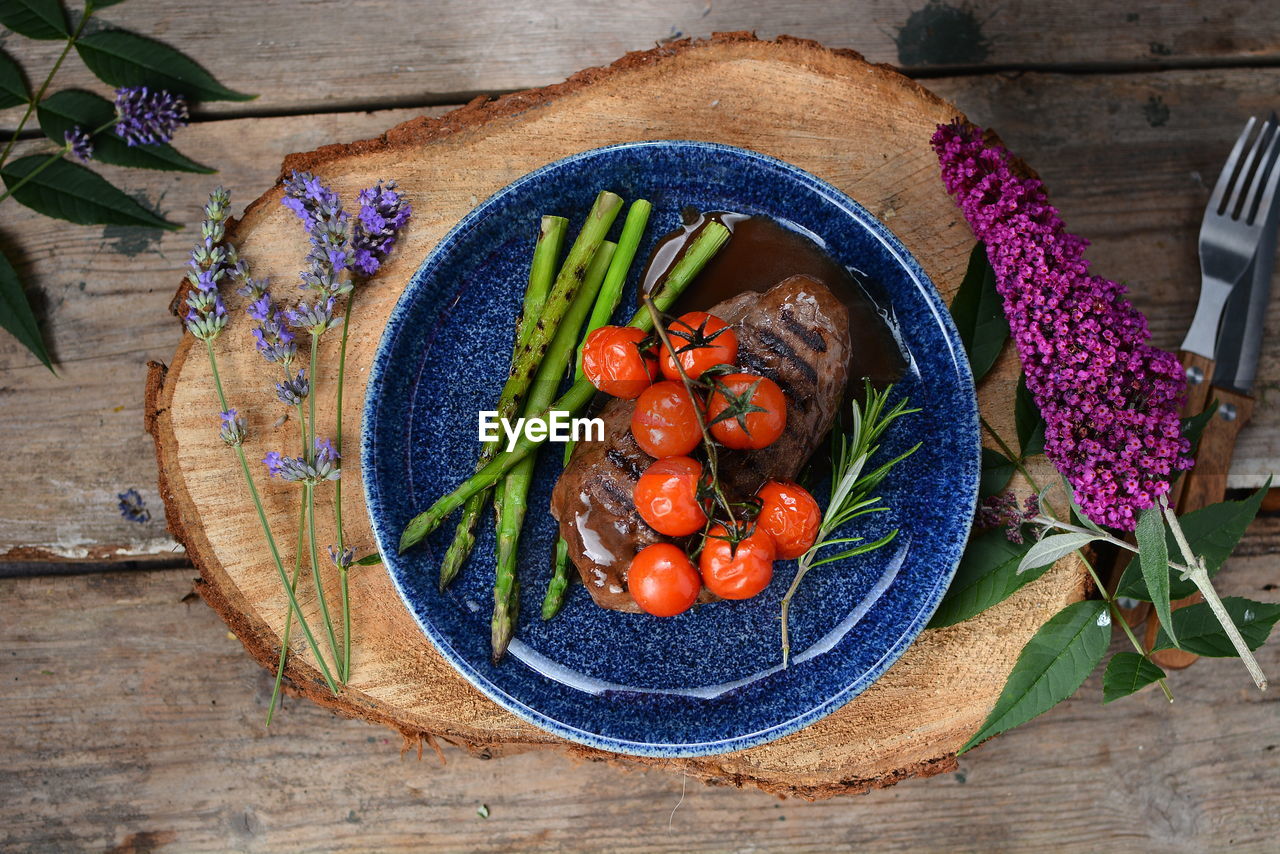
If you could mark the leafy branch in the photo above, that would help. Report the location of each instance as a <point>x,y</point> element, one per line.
<point>87,126</point>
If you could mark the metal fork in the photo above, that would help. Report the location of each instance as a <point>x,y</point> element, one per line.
<point>1233,226</point>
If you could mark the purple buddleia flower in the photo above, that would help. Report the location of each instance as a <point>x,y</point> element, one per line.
<point>147,117</point>
<point>293,391</point>
<point>1110,400</point>
<point>1002,510</point>
<point>323,464</point>
<point>232,430</point>
<point>79,143</point>
<point>383,213</point>
<point>132,507</point>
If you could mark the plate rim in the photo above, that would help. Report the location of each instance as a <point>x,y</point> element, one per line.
<point>742,741</point>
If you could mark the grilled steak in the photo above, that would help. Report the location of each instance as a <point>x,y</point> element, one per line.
<point>796,334</point>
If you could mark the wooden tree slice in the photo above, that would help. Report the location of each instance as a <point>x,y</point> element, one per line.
<point>862,127</point>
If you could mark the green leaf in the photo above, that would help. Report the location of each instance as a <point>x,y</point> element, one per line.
<point>1127,673</point>
<point>1029,422</point>
<point>978,313</point>
<point>987,575</point>
<point>35,19</point>
<point>13,86</point>
<point>1212,532</point>
<point>1053,664</point>
<point>122,58</point>
<point>369,560</point>
<point>16,315</point>
<point>65,190</point>
<point>73,107</point>
<point>1193,426</point>
<point>1051,548</point>
<point>997,470</point>
<point>1153,557</point>
<point>1199,631</point>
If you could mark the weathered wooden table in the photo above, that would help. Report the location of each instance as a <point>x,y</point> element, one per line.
<point>131,720</point>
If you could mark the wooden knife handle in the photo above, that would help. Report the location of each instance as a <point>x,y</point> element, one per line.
<point>1199,370</point>
<point>1204,485</point>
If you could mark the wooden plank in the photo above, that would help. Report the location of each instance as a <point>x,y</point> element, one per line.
<point>1130,177</point>
<point>103,294</point>
<point>321,57</point>
<point>132,718</point>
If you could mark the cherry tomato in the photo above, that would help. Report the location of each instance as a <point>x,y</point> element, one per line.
<point>664,421</point>
<point>662,580</point>
<point>737,570</point>
<point>615,362</point>
<point>667,496</point>
<point>746,412</point>
<point>700,340</point>
<point>790,516</point>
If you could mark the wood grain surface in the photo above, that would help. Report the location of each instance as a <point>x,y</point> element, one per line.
<point>133,722</point>
<point>914,718</point>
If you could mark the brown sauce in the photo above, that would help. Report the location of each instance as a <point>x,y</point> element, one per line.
<point>763,252</point>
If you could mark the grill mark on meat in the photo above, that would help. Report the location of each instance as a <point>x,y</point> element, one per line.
<point>610,487</point>
<point>783,349</point>
<point>812,339</point>
<point>624,462</point>
<point>754,364</point>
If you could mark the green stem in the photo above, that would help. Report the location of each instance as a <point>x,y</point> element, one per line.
<point>700,251</point>
<point>337,495</point>
<point>309,493</point>
<point>1117,618</point>
<point>288,614</point>
<point>39,96</point>
<point>266,528</point>
<point>309,451</point>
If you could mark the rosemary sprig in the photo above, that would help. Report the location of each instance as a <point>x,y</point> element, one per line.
<point>851,490</point>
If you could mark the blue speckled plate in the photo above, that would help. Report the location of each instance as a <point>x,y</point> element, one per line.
<point>708,681</point>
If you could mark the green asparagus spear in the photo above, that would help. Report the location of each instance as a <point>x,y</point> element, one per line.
<point>704,245</point>
<point>511,496</point>
<point>601,314</point>
<point>546,252</point>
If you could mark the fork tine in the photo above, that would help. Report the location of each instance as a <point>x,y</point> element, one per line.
<point>1264,185</point>
<point>1246,176</point>
<point>1229,168</point>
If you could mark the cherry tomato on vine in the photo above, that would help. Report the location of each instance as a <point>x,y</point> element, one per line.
<point>664,422</point>
<point>700,340</point>
<point>667,496</point>
<point>663,581</point>
<point>790,515</point>
<point>746,412</point>
<point>737,570</point>
<point>616,363</point>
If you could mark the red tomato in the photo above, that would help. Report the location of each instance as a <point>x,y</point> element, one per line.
<point>615,362</point>
<point>663,581</point>
<point>664,421</point>
<point>667,496</point>
<point>790,516</point>
<point>746,412</point>
<point>737,570</point>
<point>701,340</point>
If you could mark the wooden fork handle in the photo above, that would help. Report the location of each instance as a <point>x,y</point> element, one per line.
<point>1204,485</point>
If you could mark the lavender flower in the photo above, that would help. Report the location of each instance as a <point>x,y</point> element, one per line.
<point>323,464</point>
<point>342,559</point>
<point>293,391</point>
<point>1109,399</point>
<point>146,117</point>
<point>233,429</point>
<point>383,212</point>
<point>315,318</point>
<point>79,143</point>
<point>206,315</point>
<point>311,200</point>
<point>132,507</point>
